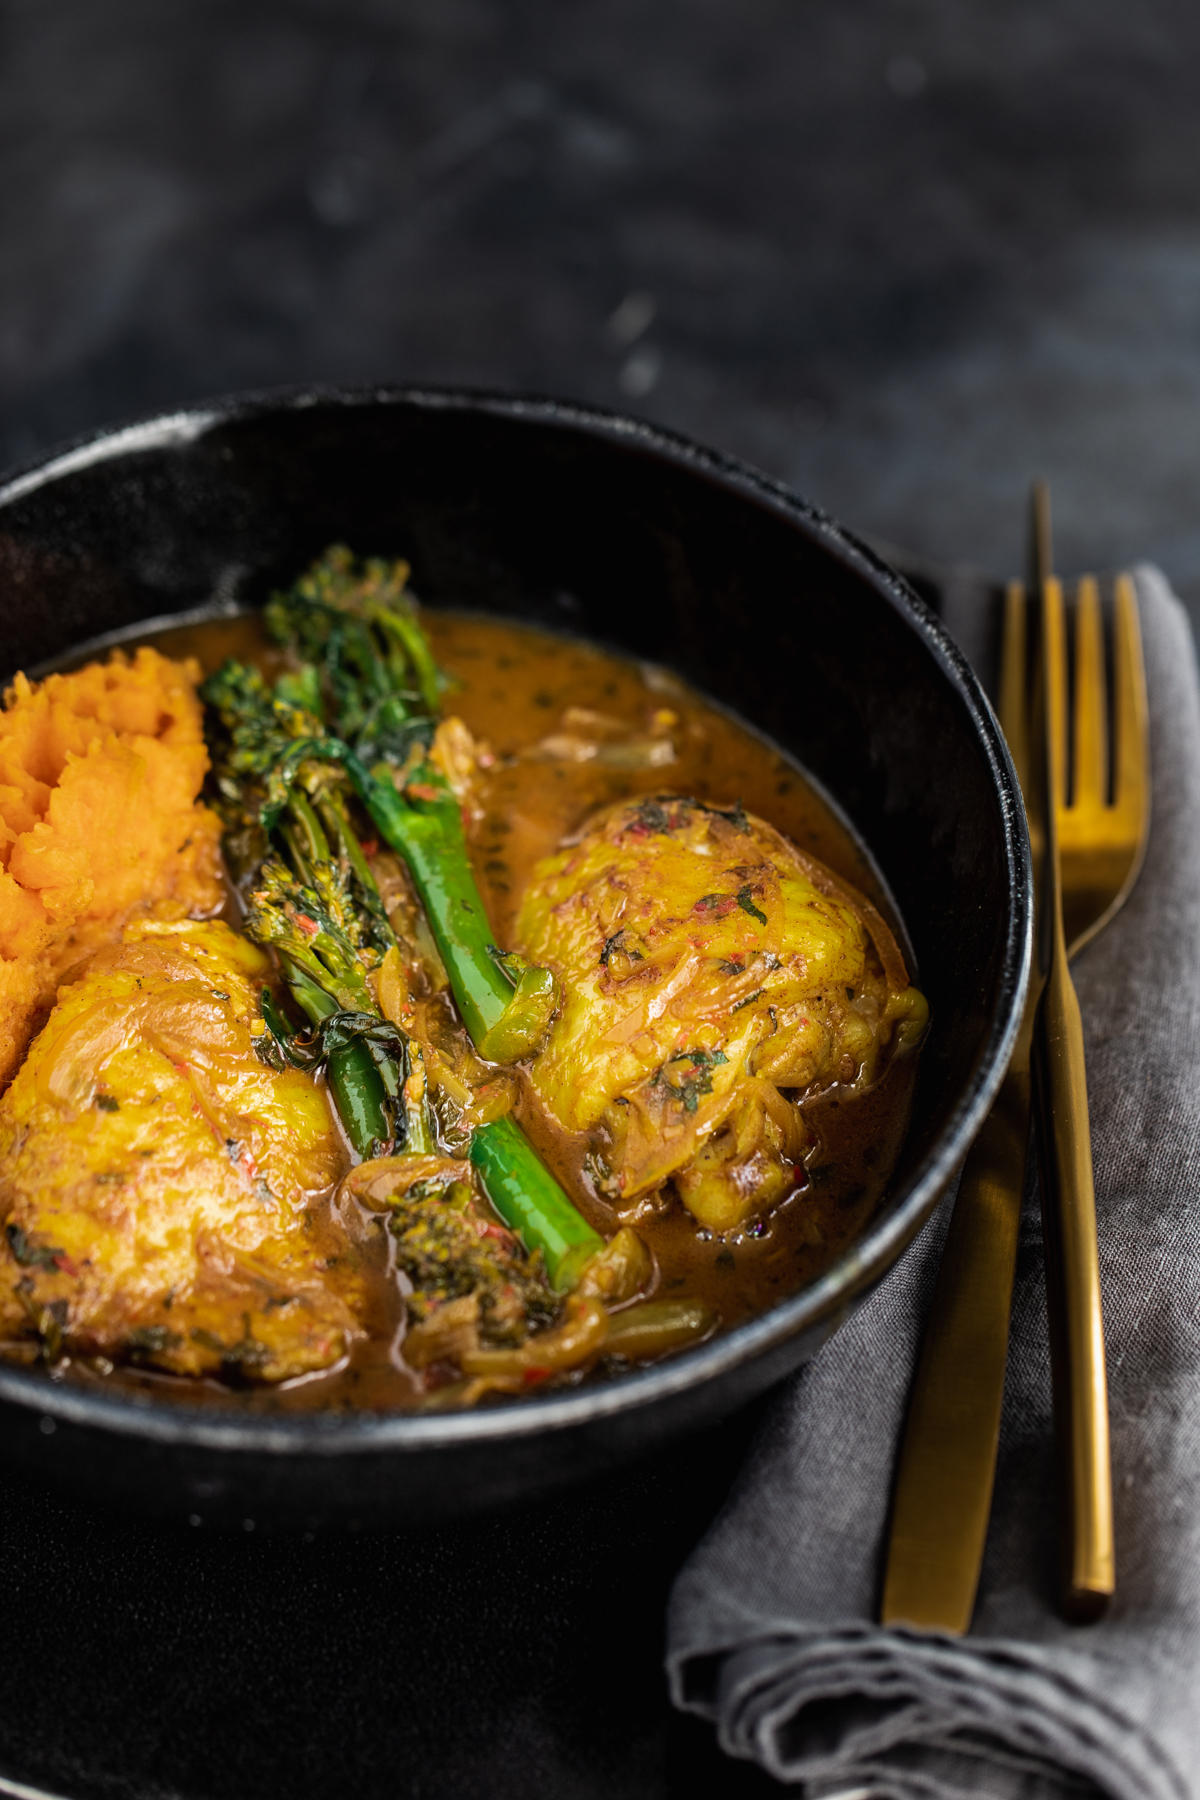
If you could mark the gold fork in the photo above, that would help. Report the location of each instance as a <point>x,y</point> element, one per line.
<point>1093,853</point>
<point>947,1457</point>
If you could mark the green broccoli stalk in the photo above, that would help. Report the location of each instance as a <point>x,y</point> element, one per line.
<point>531,1202</point>
<point>319,946</point>
<point>324,917</point>
<point>369,671</point>
<point>505,1003</point>
<point>367,674</point>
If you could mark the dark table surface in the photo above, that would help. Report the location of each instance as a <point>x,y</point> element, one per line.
<point>903,255</point>
<point>501,1658</point>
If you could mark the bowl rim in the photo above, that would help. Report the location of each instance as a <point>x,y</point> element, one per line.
<point>816,1309</point>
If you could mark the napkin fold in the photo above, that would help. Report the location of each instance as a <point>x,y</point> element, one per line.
<point>772,1627</point>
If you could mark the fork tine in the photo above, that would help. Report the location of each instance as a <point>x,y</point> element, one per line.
<point>1056,675</point>
<point>1101,844</point>
<point>1131,783</point>
<point>1089,781</point>
<point>1014,685</point>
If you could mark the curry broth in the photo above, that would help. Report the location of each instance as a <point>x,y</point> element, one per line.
<point>512,686</point>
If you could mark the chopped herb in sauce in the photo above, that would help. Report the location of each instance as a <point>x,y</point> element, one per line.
<point>745,899</point>
<point>689,1075</point>
<point>151,1340</point>
<point>749,1000</point>
<point>32,1255</point>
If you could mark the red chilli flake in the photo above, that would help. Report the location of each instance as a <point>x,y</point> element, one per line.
<point>64,1262</point>
<point>308,926</point>
<point>715,906</point>
<point>371,847</point>
<point>421,790</point>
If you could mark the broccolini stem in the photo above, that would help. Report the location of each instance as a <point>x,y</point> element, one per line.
<point>418,1128</point>
<point>312,1000</point>
<point>418,1131</point>
<point>506,1017</point>
<point>293,838</point>
<point>530,1201</point>
<point>428,833</point>
<point>354,1081</point>
<point>357,1091</point>
<point>315,843</point>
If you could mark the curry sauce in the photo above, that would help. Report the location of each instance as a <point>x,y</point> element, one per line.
<point>564,730</point>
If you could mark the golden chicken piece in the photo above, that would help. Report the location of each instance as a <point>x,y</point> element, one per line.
<point>711,976</point>
<point>158,1179</point>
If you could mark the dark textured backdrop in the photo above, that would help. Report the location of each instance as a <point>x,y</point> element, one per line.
<point>902,254</point>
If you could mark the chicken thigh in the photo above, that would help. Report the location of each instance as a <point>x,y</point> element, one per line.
<point>711,977</point>
<point>160,1182</point>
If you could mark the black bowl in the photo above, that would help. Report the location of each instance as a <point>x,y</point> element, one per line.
<point>558,515</point>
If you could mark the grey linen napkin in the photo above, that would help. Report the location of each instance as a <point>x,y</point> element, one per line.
<point>771,1627</point>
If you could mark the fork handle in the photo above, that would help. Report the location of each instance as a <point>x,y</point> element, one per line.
<point>1073,1296</point>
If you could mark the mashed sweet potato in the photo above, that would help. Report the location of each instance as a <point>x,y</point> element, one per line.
<point>99,822</point>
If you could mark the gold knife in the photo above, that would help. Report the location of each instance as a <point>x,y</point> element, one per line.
<point>947,1462</point>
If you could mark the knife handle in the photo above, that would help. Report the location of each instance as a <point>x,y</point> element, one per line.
<point>1073,1297</point>
<point>947,1461</point>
